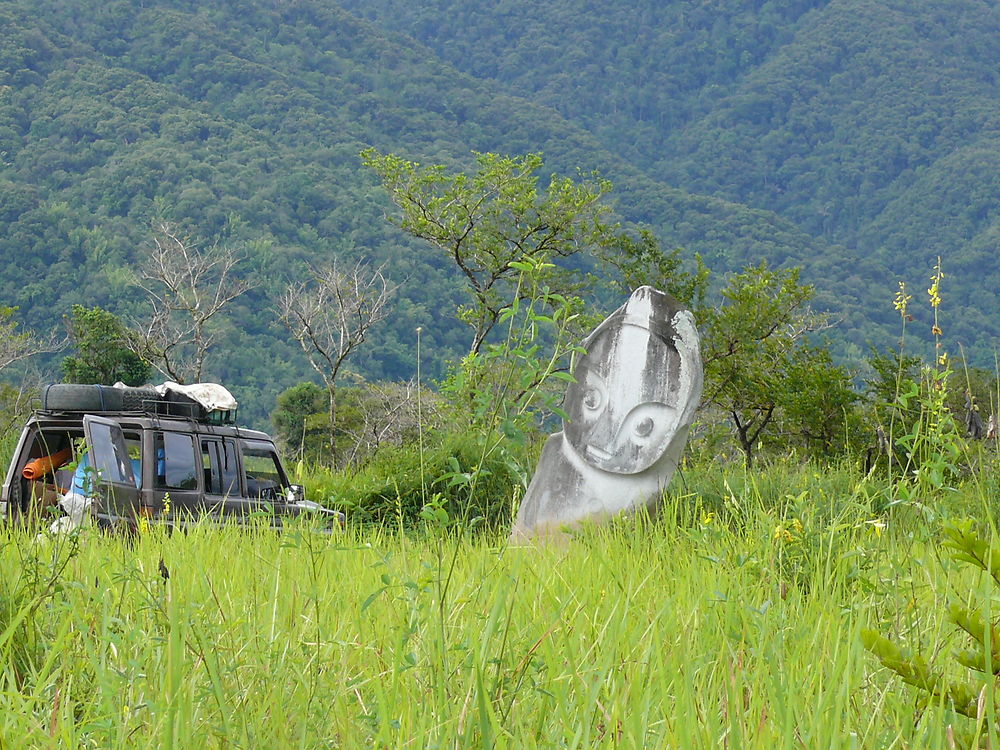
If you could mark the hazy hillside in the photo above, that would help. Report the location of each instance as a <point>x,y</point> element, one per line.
<point>243,122</point>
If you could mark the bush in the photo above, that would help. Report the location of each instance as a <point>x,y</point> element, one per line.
<point>473,475</point>
<point>369,415</point>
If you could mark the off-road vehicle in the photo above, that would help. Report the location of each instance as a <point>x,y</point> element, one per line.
<point>135,453</point>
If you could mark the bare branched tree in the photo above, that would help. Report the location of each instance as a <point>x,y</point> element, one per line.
<point>330,315</point>
<point>391,415</point>
<point>16,345</point>
<point>187,288</point>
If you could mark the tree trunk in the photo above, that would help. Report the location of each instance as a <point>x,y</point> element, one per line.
<point>746,444</point>
<point>332,414</point>
<point>747,433</point>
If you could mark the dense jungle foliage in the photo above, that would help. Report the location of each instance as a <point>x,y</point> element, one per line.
<point>854,139</point>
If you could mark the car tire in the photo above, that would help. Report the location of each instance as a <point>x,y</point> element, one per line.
<point>123,530</point>
<point>94,398</point>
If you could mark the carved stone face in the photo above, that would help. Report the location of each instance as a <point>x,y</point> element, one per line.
<point>623,409</point>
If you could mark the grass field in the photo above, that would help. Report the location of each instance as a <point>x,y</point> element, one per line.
<point>732,621</point>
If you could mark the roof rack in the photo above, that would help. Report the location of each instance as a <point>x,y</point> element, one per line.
<point>69,398</point>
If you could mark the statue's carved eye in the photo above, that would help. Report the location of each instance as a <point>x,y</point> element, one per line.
<point>644,427</point>
<point>593,399</point>
<point>645,424</point>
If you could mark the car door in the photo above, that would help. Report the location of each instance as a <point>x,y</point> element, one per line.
<point>112,482</point>
<point>15,488</point>
<point>221,472</point>
<point>176,492</point>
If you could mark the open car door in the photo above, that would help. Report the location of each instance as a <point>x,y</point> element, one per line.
<point>112,482</point>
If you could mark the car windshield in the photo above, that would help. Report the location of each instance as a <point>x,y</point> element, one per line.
<point>264,475</point>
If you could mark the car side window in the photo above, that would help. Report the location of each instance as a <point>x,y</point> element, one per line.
<point>111,456</point>
<point>218,459</point>
<point>175,466</point>
<point>264,476</point>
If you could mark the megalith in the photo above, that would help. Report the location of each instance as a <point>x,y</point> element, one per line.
<point>628,413</point>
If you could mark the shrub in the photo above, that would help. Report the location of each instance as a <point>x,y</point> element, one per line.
<point>477,481</point>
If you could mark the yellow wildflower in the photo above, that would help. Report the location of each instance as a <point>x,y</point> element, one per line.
<point>707,519</point>
<point>783,534</point>
<point>934,292</point>
<point>936,330</point>
<point>902,299</point>
<point>876,526</point>
<point>143,525</point>
<point>943,359</point>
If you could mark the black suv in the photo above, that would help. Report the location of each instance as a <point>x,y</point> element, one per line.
<point>139,454</point>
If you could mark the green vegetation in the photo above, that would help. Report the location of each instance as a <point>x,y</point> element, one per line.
<point>750,611</point>
<point>745,132</point>
<point>736,615</point>
<point>762,137</point>
<point>974,700</point>
<point>495,223</point>
<point>762,371</point>
<point>370,416</point>
<point>827,114</point>
<point>243,125</point>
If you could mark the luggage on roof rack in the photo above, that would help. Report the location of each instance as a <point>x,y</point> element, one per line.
<point>97,399</point>
<point>176,404</point>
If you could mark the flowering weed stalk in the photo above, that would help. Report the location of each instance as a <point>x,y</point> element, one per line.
<point>932,446</point>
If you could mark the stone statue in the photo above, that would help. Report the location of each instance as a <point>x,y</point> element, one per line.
<point>629,411</point>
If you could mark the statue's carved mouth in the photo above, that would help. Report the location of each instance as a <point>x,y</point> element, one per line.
<point>598,453</point>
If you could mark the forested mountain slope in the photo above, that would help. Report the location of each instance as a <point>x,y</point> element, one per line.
<point>872,125</point>
<point>243,121</point>
<point>632,73</point>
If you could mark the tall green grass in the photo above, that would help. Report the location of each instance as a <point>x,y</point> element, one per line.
<point>730,621</point>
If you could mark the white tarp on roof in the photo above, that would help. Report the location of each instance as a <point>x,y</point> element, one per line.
<point>212,396</point>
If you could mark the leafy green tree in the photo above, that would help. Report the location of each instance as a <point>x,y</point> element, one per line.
<point>638,260</point>
<point>492,222</point>
<point>760,368</point>
<point>103,353</point>
<point>758,362</point>
<point>820,408</point>
<point>301,422</point>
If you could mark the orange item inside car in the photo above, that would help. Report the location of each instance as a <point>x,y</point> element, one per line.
<point>46,464</point>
